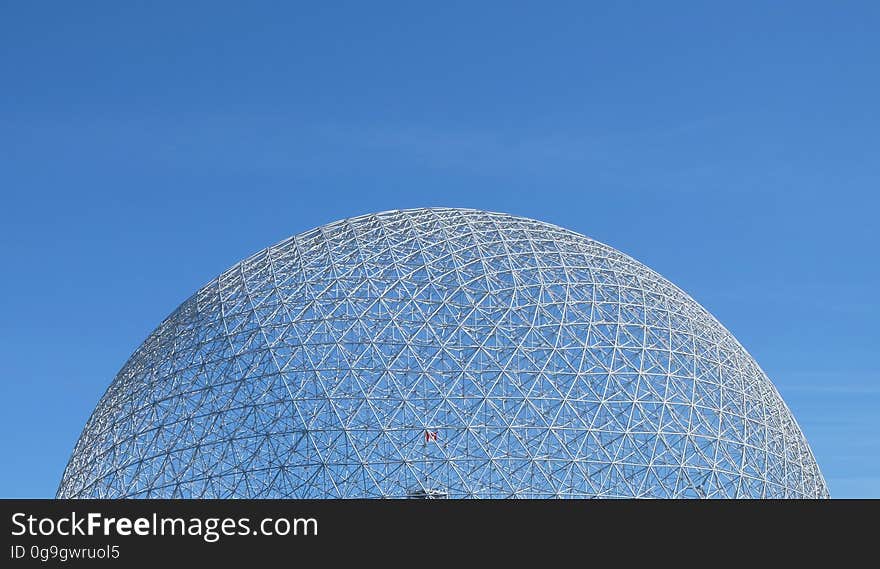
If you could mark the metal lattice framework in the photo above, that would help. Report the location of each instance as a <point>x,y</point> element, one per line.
<point>441,352</point>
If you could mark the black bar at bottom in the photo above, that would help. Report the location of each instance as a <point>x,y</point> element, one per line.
<point>172,533</point>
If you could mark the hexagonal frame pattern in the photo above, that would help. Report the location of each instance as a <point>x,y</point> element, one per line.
<point>434,353</point>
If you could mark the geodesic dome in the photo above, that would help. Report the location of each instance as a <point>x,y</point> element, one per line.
<point>441,353</point>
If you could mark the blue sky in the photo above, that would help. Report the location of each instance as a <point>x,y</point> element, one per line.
<point>145,147</point>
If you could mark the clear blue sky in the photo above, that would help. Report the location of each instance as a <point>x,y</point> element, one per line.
<point>147,146</point>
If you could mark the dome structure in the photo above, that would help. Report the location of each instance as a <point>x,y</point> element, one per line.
<point>441,353</point>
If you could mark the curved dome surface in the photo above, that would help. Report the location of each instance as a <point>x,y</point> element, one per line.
<point>435,353</point>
